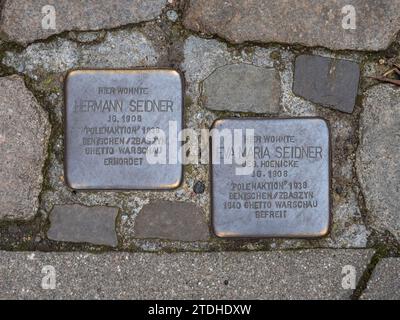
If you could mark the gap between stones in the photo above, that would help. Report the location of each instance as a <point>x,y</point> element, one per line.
<point>382,252</point>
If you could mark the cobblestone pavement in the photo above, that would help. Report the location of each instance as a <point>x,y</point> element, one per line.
<point>314,59</point>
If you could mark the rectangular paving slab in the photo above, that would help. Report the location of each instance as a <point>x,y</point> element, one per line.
<point>76,223</point>
<point>171,220</point>
<point>242,88</point>
<point>310,274</point>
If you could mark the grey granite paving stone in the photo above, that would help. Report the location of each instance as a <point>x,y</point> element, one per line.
<point>120,49</point>
<point>378,157</point>
<point>330,82</point>
<point>22,21</point>
<point>306,22</point>
<point>24,134</point>
<point>310,274</point>
<point>76,223</point>
<point>242,88</point>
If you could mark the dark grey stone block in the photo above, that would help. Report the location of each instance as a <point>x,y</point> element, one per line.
<point>172,221</point>
<point>330,82</point>
<point>76,223</point>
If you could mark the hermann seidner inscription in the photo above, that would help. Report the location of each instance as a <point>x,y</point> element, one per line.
<point>287,195</point>
<point>108,114</point>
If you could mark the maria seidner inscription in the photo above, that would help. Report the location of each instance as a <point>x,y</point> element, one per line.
<point>108,114</point>
<point>287,194</point>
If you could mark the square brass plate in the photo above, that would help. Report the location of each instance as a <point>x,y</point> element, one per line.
<point>287,194</point>
<point>107,116</point>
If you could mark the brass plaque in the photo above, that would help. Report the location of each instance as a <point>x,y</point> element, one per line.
<point>287,192</point>
<point>108,114</point>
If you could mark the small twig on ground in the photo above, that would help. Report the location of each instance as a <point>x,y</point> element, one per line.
<point>388,80</point>
<point>384,77</point>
